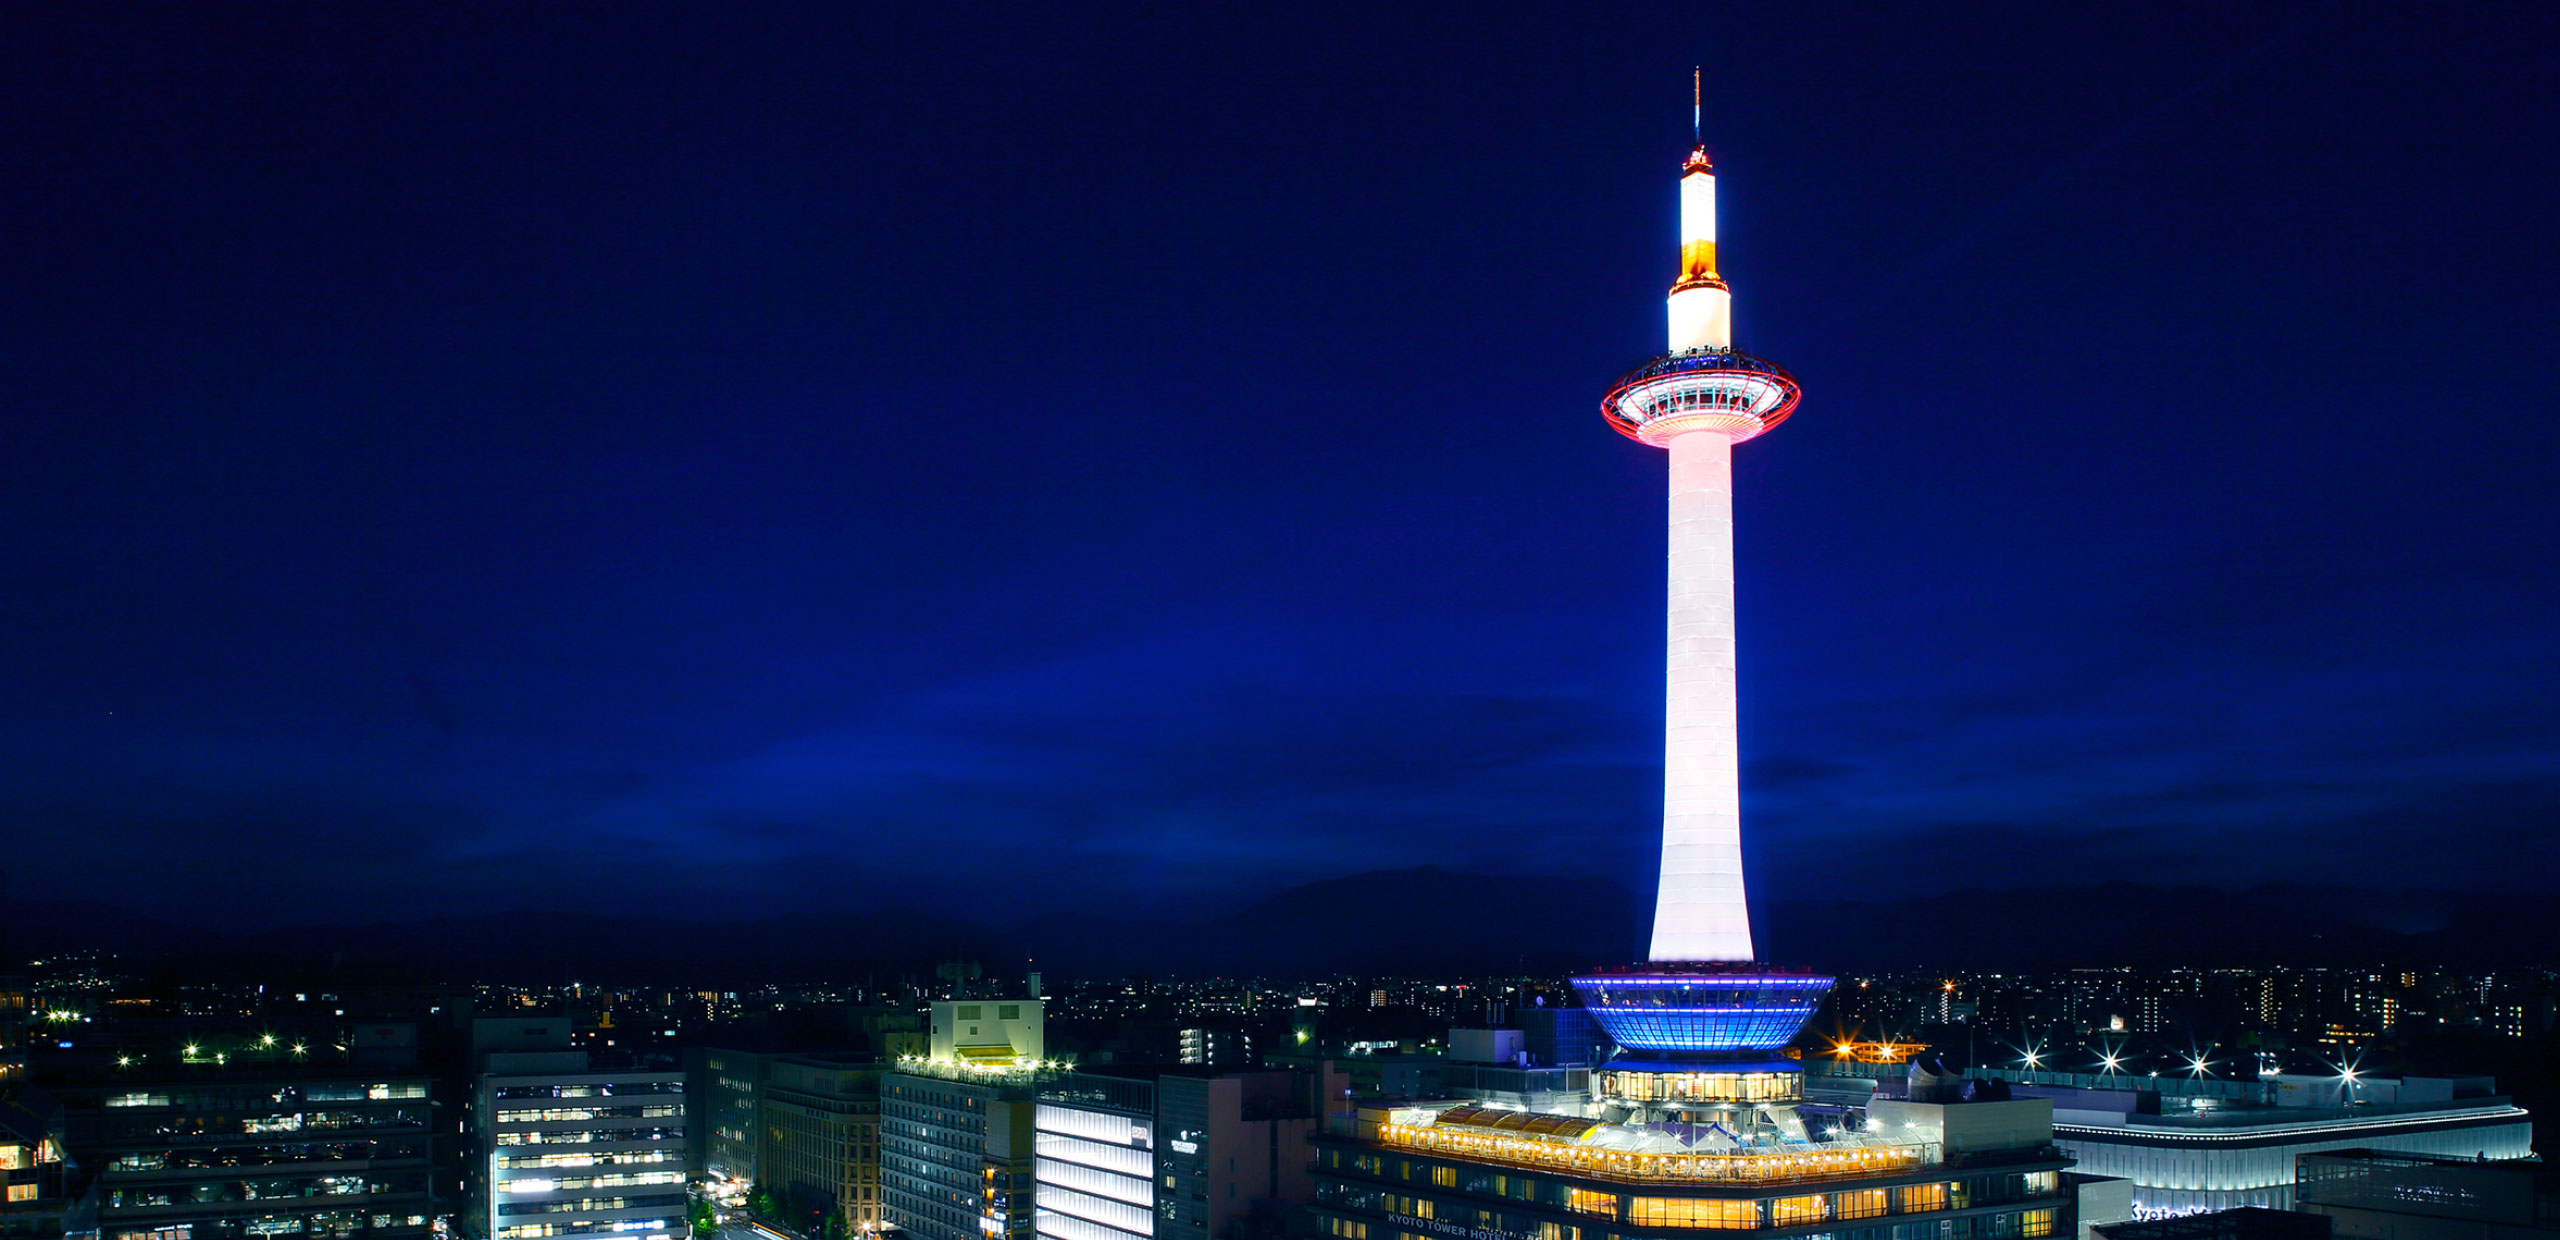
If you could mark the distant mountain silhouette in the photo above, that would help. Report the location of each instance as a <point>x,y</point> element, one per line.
<point>1422,920</point>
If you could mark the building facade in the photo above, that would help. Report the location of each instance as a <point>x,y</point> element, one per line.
<point>957,1151</point>
<point>2189,1159</point>
<point>567,1150</point>
<point>1231,1155</point>
<point>1445,1173</point>
<point>258,1155</point>
<point>821,1141</point>
<point>2389,1195</point>
<point>1094,1168</point>
<point>726,1092</point>
<point>35,1199</point>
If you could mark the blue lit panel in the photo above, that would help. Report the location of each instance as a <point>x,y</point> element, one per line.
<point>1702,1012</point>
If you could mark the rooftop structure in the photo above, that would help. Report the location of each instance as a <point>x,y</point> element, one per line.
<point>2189,1150</point>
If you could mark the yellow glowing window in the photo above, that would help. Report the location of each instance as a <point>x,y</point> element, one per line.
<point>1445,1177</point>
<point>1558,1231</point>
<point>1794,1211</point>
<point>1584,1201</point>
<point>1719,1214</point>
<point>1863,1203</point>
<point>1919,1197</point>
<point>2035,1223</point>
<point>22,1192</point>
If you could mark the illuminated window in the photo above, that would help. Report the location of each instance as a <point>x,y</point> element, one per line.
<point>1863,1203</point>
<point>1920,1197</point>
<point>1445,1177</point>
<point>1558,1231</point>
<point>1584,1201</point>
<point>1797,1211</point>
<point>2035,1223</point>
<point>2042,1183</point>
<point>1712,1212</point>
<point>22,1192</point>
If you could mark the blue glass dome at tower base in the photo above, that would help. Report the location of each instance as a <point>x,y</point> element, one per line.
<point>1709,1009</point>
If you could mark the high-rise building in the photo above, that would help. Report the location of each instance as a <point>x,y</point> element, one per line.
<point>957,1150</point>
<point>1172,1153</point>
<point>821,1155</point>
<point>1095,1164</point>
<point>726,1097</point>
<point>956,1142</point>
<point>568,1146</point>
<point>1232,1152</point>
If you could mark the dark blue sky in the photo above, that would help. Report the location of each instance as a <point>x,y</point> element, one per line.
<point>719,458</point>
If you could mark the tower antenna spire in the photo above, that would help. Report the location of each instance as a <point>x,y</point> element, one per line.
<point>1697,120</point>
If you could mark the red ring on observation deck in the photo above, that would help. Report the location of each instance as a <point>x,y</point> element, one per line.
<point>1728,392</point>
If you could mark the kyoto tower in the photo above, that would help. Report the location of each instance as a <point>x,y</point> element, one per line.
<point>1699,1020</point>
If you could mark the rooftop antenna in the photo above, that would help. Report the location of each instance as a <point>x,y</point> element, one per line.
<point>1697,127</point>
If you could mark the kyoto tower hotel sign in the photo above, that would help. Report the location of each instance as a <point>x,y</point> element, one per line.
<point>1700,999</point>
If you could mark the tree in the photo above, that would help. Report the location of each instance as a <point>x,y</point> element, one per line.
<point>706,1221</point>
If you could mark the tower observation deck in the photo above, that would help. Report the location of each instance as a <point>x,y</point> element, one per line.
<point>1700,1008</point>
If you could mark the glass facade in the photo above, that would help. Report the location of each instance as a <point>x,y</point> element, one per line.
<point>232,1160</point>
<point>1701,1013</point>
<point>1701,1086</point>
<point>580,1153</point>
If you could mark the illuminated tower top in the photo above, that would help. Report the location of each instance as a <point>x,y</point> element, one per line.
<point>1701,305</point>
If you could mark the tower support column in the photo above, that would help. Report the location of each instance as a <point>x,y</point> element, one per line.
<point>1700,912</point>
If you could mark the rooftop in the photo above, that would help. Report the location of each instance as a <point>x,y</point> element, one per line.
<point>1670,1154</point>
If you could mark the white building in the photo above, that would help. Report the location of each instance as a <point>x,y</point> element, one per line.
<point>569,1151</point>
<point>2188,1155</point>
<point>1096,1167</point>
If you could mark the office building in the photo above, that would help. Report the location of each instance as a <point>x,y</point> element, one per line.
<point>1216,1047</point>
<point>2367,1194</point>
<point>35,1200</point>
<point>1095,1157</point>
<point>957,1150</point>
<point>725,1093</point>
<point>218,1150</point>
<point>957,1145</point>
<point>569,1145</point>
<point>1182,1152</point>
<point>1231,1158</point>
<point>821,1153</point>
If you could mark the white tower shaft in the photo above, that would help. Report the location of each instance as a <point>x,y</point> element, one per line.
<point>1700,913</point>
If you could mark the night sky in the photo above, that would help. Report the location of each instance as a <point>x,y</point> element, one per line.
<point>713,459</point>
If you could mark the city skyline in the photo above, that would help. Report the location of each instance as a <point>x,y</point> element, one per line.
<point>501,462</point>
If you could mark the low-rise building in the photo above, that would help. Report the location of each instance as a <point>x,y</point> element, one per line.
<point>2367,1194</point>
